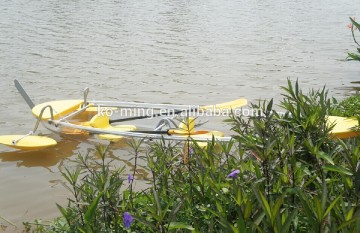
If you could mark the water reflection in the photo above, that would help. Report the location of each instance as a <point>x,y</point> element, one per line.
<point>41,158</point>
<point>125,156</point>
<point>70,145</point>
<point>351,89</point>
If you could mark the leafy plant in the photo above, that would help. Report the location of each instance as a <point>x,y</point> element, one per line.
<point>349,107</point>
<point>281,173</point>
<point>354,26</point>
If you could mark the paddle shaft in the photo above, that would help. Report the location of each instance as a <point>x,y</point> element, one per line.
<point>153,132</point>
<point>171,132</point>
<point>227,105</point>
<point>151,116</point>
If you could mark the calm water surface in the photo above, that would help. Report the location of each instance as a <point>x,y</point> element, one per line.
<point>175,51</point>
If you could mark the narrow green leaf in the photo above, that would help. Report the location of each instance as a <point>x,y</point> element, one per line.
<point>219,207</point>
<point>308,208</point>
<point>326,157</point>
<point>354,56</point>
<point>90,212</point>
<point>259,218</point>
<point>331,206</point>
<point>64,213</point>
<point>269,106</point>
<point>159,212</point>
<point>175,210</point>
<point>276,209</point>
<point>317,208</point>
<point>357,179</point>
<point>357,25</point>
<point>145,222</point>
<point>288,221</point>
<point>248,210</point>
<point>241,225</point>
<point>62,210</point>
<point>345,224</point>
<point>338,169</point>
<point>82,230</point>
<point>350,214</point>
<point>180,225</point>
<point>264,204</point>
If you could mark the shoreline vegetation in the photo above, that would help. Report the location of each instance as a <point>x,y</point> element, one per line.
<point>281,173</point>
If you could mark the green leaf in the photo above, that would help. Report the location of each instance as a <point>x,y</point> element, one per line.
<point>157,201</point>
<point>331,206</point>
<point>64,213</point>
<point>354,56</point>
<point>338,169</point>
<point>241,225</point>
<point>276,209</point>
<point>82,230</point>
<point>248,210</point>
<point>180,225</point>
<point>264,204</point>
<point>317,208</point>
<point>350,214</point>
<point>325,157</point>
<point>309,209</point>
<point>90,212</point>
<point>288,221</point>
<point>345,224</point>
<point>357,25</point>
<point>357,180</point>
<point>62,210</point>
<point>269,106</point>
<point>259,218</point>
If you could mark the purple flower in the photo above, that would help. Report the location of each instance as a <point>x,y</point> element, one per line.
<point>130,178</point>
<point>127,219</point>
<point>191,151</point>
<point>233,174</point>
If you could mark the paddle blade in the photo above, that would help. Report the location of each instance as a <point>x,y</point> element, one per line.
<point>24,94</point>
<point>226,106</point>
<point>29,142</point>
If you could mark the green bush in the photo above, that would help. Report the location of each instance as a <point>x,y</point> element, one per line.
<point>349,107</point>
<point>281,173</point>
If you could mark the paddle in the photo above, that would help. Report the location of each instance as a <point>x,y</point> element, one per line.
<point>27,141</point>
<point>223,106</point>
<point>24,94</point>
<point>172,131</point>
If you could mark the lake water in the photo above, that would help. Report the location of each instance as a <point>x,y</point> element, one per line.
<point>173,51</point>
